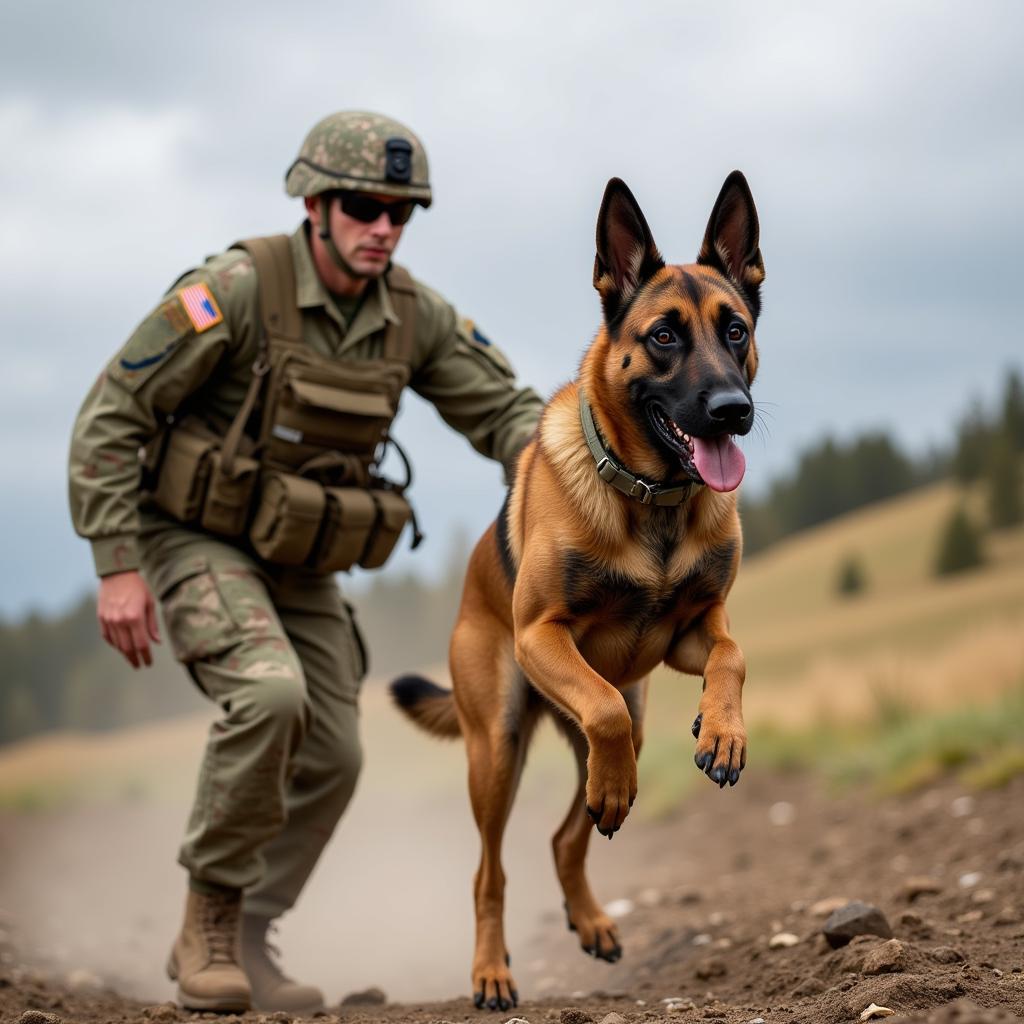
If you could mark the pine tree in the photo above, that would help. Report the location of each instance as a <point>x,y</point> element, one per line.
<point>974,436</point>
<point>851,579</point>
<point>1013,410</point>
<point>1005,485</point>
<point>959,545</point>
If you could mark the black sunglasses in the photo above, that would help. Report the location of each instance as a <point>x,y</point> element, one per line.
<point>366,209</point>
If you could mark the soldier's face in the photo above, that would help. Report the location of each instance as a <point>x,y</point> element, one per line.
<point>366,247</point>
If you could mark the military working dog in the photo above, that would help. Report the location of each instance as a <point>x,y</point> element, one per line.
<point>614,552</point>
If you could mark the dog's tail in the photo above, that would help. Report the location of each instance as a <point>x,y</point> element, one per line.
<point>430,706</point>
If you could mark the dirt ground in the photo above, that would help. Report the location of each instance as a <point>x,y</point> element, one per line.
<point>702,899</point>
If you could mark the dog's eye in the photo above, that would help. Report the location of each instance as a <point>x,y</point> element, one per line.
<point>736,333</point>
<point>663,336</point>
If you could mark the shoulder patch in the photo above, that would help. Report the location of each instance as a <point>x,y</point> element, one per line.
<point>483,352</point>
<point>475,334</point>
<point>156,337</point>
<point>152,342</point>
<point>200,305</point>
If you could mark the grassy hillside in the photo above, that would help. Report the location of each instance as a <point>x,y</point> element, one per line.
<point>929,658</point>
<point>914,674</point>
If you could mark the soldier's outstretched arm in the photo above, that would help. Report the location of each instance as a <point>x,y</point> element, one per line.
<point>471,382</point>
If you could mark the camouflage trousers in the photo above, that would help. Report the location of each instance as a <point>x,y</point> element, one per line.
<point>281,654</point>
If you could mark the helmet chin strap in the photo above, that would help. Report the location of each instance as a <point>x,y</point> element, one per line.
<point>332,249</point>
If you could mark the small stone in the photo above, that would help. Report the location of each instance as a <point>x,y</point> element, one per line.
<point>38,1017</point>
<point>962,807</point>
<point>619,908</point>
<point>83,980</point>
<point>983,895</point>
<point>649,897</point>
<point>970,879</point>
<point>888,958</point>
<point>874,1010</point>
<point>1010,860</point>
<point>717,918</point>
<point>829,905</point>
<point>702,939</point>
<point>855,919</point>
<point>613,1018</point>
<point>520,1020</point>
<point>783,940</point>
<point>970,916</point>
<point>920,885</point>
<point>756,1020</point>
<point>161,1012</point>
<point>710,967</point>
<point>946,955</point>
<point>679,1005</point>
<point>782,813</point>
<point>1008,915</point>
<point>688,896</point>
<point>367,997</point>
<point>574,1015</point>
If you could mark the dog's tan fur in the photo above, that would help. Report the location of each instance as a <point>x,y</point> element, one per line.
<point>577,592</point>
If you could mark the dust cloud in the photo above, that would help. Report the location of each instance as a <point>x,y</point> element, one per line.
<point>95,885</point>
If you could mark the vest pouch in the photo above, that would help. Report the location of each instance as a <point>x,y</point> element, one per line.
<point>229,498</point>
<point>348,523</point>
<point>314,415</point>
<point>287,518</point>
<point>393,512</point>
<point>184,474</point>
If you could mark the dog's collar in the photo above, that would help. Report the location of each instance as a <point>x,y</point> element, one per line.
<point>618,476</point>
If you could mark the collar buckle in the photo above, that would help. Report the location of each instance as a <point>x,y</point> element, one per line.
<point>643,490</point>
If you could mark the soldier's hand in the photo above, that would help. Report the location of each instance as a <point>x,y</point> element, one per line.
<point>127,615</point>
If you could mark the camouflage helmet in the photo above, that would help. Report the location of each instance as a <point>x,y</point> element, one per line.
<point>362,152</point>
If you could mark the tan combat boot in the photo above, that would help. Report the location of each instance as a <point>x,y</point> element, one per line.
<point>205,959</point>
<point>272,989</point>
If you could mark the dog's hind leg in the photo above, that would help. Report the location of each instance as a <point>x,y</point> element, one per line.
<point>598,933</point>
<point>496,724</point>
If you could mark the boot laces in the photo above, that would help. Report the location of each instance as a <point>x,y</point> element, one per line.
<point>219,921</point>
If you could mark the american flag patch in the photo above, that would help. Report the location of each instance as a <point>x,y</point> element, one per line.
<point>201,307</point>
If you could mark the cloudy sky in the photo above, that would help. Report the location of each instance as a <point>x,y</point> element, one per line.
<point>883,144</point>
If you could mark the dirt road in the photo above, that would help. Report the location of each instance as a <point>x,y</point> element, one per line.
<point>702,899</point>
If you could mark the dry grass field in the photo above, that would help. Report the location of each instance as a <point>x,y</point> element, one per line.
<point>908,645</point>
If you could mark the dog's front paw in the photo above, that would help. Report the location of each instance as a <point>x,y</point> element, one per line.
<point>493,987</point>
<point>721,745</point>
<point>611,788</point>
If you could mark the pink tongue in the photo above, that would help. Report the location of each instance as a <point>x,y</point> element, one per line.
<point>719,462</point>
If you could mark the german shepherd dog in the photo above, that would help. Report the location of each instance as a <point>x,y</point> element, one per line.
<point>615,549</point>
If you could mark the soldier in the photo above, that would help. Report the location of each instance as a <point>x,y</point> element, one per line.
<point>260,389</point>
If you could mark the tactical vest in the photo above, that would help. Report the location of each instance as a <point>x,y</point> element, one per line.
<point>296,470</point>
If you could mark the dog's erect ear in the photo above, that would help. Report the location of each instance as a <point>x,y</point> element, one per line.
<point>731,243</point>
<point>626,253</point>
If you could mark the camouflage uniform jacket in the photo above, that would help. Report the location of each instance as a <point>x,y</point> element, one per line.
<point>166,361</point>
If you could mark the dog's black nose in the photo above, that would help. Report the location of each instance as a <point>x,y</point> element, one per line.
<point>729,406</point>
